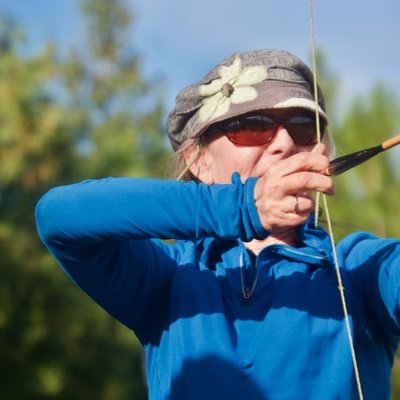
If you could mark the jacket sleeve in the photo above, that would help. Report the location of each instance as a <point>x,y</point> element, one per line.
<point>373,265</point>
<point>105,234</point>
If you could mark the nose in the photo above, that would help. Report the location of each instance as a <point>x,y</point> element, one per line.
<point>282,143</point>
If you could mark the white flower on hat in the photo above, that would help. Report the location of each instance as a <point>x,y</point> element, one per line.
<point>233,87</point>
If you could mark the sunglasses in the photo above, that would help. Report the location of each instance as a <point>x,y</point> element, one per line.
<point>258,129</point>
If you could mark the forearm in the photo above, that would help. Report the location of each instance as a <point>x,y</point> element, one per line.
<point>118,208</point>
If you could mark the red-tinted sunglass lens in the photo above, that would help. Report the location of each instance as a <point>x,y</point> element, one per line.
<point>250,137</point>
<point>252,130</point>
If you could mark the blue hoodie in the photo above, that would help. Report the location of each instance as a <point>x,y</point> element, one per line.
<point>184,299</point>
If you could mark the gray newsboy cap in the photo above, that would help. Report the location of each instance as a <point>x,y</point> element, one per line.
<point>242,83</point>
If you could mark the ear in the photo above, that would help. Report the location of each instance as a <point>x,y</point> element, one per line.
<point>199,163</point>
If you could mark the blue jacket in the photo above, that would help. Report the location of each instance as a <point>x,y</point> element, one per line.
<point>184,299</point>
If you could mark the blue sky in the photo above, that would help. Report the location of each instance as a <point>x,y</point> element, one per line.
<point>182,39</point>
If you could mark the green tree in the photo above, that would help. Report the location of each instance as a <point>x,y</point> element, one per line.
<point>63,119</point>
<point>328,80</point>
<point>367,196</point>
<point>121,135</point>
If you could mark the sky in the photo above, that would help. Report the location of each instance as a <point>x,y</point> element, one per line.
<point>180,40</point>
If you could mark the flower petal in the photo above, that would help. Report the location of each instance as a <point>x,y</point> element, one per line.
<point>243,94</point>
<point>211,88</point>
<point>252,75</point>
<point>222,109</point>
<point>209,107</point>
<point>231,72</point>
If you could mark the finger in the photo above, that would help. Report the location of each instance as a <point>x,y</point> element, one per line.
<point>319,148</point>
<point>285,219</point>
<point>304,204</point>
<point>308,181</point>
<point>297,204</point>
<point>305,161</point>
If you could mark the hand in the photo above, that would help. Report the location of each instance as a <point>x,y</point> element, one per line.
<point>283,194</point>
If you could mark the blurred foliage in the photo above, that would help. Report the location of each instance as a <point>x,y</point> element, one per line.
<point>90,113</point>
<point>368,196</point>
<point>65,118</point>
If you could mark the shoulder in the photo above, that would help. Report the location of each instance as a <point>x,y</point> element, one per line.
<point>364,247</point>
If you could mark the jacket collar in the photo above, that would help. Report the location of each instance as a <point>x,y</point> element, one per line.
<point>314,247</point>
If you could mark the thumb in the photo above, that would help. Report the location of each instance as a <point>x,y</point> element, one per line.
<point>319,148</point>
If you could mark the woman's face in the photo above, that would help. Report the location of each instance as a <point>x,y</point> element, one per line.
<point>220,157</point>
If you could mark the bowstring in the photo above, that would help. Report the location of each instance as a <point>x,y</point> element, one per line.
<point>328,218</point>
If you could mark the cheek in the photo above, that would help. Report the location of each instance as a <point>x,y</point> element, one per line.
<point>224,165</point>
<point>231,159</point>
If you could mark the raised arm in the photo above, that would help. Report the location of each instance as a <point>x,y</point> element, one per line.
<point>103,233</point>
<point>122,208</point>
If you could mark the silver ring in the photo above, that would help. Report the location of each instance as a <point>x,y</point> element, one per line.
<point>296,204</point>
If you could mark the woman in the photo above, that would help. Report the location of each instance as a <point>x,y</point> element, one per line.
<point>244,305</point>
